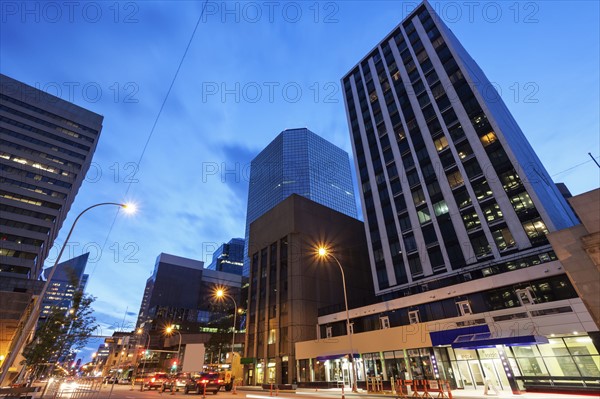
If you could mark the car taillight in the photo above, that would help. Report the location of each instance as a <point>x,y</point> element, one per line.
<point>220,381</point>
<point>153,379</point>
<point>204,381</point>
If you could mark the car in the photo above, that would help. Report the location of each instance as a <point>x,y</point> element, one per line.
<point>180,380</point>
<point>204,382</point>
<point>157,380</point>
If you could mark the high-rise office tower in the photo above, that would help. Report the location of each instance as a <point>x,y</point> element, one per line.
<point>229,257</point>
<point>68,278</point>
<point>46,147</point>
<point>299,162</point>
<point>457,209</point>
<point>448,179</point>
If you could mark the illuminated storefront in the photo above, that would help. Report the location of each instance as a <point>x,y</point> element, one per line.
<point>562,361</point>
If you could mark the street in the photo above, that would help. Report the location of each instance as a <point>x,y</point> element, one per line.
<point>125,392</point>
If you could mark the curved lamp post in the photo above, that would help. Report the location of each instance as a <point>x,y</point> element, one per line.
<point>35,313</point>
<point>169,331</point>
<point>324,254</point>
<point>220,293</point>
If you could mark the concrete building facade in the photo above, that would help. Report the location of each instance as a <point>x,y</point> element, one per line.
<point>47,146</point>
<point>578,249</point>
<point>457,210</point>
<point>289,284</point>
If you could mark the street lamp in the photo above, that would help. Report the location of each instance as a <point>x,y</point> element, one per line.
<point>220,293</point>
<point>35,313</point>
<point>170,330</point>
<point>324,254</point>
<point>140,331</point>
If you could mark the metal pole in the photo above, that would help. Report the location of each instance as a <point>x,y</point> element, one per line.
<point>178,351</point>
<point>144,363</point>
<point>35,313</point>
<point>349,330</point>
<point>234,323</point>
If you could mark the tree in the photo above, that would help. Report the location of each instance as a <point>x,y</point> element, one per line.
<point>61,335</point>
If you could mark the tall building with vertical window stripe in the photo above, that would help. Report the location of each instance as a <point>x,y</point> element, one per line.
<point>298,161</point>
<point>448,179</point>
<point>46,147</point>
<point>457,211</point>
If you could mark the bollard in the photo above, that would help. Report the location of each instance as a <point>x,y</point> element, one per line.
<point>234,392</point>
<point>271,390</point>
<point>204,392</point>
<point>343,391</point>
<point>277,390</point>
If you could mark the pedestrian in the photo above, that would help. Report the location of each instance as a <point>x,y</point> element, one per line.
<point>489,384</point>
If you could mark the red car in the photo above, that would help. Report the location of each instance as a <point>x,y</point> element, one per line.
<point>157,380</point>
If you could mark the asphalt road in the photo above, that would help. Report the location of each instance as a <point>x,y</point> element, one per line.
<point>125,392</point>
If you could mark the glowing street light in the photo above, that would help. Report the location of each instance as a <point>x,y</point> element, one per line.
<point>33,317</point>
<point>171,329</point>
<point>324,253</point>
<point>220,293</point>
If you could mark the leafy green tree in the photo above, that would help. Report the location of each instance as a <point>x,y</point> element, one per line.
<point>61,335</point>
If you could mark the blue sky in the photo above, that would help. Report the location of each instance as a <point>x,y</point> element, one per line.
<point>252,70</point>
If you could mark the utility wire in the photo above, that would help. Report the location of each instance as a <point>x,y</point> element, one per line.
<point>155,122</point>
<point>573,167</point>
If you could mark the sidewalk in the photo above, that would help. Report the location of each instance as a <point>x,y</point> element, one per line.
<point>456,394</point>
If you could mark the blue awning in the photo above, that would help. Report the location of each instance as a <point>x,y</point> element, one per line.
<point>488,340</point>
<point>447,337</point>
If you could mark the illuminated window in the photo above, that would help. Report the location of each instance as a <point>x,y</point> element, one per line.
<point>455,179</point>
<point>440,208</point>
<point>441,144</point>
<point>525,296</point>
<point>272,336</point>
<point>521,201</point>
<point>503,238</point>
<point>488,139</point>
<point>535,228</point>
<point>384,322</point>
<point>413,317</point>
<point>424,215</point>
<point>329,332</point>
<point>492,212</point>
<point>464,307</point>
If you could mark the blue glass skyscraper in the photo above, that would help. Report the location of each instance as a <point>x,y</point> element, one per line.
<point>299,162</point>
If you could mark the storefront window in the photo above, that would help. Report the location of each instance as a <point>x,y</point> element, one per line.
<point>557,359</point>
<point>529,361</point>
<point>319,369</point>
<point>420,364</point>
<point>372,363</point>
<point>260,372</point>
<point>395,365</point>
<point>303,371</point>
<point>584,354</point>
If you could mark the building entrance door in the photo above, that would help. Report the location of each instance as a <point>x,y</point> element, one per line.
<point>465,375</point>
<point>475,368</point>
<point>346,374</point>
<point>493,369</point>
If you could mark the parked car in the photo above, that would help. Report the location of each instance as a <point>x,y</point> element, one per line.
<point>157,380</point>
<point>209,382</point>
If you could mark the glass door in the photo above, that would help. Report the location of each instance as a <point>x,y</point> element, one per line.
<point>476,372</point>
<point>465,375</point>
<point>491,371</point>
